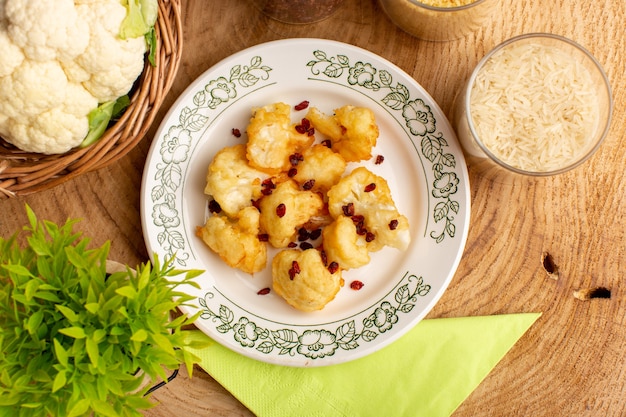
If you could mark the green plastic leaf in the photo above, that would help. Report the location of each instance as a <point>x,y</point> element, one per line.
<point>61,353</point>
<point>79,408</point>
<point>92,351</point>
<point>59,381</point>
<point>139,336</point>
<point>75,332</point>
<point>68,313</point>
<point>17,270</point>
<point>127,291</point>
<point>34,322</point>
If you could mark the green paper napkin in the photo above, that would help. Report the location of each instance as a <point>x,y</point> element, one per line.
<point>427,372</point>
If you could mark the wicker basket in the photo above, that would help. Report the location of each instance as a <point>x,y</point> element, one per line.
<point>24,173</point>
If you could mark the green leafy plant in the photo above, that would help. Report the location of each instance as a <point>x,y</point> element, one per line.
<point>76,340</point>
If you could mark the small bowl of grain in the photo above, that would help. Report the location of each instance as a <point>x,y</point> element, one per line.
<point>538,105</point>
<point>439,20</point>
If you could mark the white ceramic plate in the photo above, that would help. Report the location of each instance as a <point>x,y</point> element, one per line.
<point>423,165</point>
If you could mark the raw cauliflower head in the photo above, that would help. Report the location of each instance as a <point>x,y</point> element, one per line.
<point>272,138</point>
<point>231,181</point>
<point>236,242</point>
<point>302,279</point>
<point>285,210</point>
<point>60,60</point>
<point>363,193</point>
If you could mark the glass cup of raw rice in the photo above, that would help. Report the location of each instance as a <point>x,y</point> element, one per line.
<point>439,20</point>
<point>537,105</point>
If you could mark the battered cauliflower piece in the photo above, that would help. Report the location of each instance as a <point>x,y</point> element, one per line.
<point>343,245</point>
<point>369,196</point>
<point>352,130</point>
<point>302,279</point>
<point>231,181</point>
<point>321,165</point>
<point>236,242</point>
<point>272,138</point>
<point>285,210</point>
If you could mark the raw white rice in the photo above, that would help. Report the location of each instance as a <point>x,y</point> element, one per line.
<point>534,107</point>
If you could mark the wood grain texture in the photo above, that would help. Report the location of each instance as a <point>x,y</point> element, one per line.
<point>570,363</point>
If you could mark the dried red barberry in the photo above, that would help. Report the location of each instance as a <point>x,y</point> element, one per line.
<point>264,291</point>
<point>379,159</point>
<point>263,237</point>
<point>268,182</point>
<point>303,234</point>
<point>358,219</point>
<point>393,225</point>
<point>324,257</point>
<point>306,245</point>
<point>327,143</point>
<point>356,285</point>
<point>292,245</point>
<point>214,207</point>
<point>308,185</point>
<point>333,267</point>
<point>295,158</point>
<point>315,234</point>
<point>348,209</point>
<point>369,236</point>
<point>370,187</point>
<point>281,210</point>
<point>305,127</point>
<point>294,270</point>
<point>236,132</point>
<point>292,172</point>
<point>302,105</point>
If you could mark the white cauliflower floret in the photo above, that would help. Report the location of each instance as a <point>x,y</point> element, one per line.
<point>231,181</point>
<point>272,138</point>
<point>44,113</point>
<point>302,279</point>
<point>46,29</point>
<point>321,165</point>
<point>12,55</point>
<point>287,209</point>
<point>236,242</point>
<point>363,193</point>
<point>60,60</point>
<point>111,63</point>
<point>343,245</point>
<point>352,130</point>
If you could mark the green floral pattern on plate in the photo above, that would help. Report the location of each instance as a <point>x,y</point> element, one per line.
<point>319,342</point>
<point>419,120</point>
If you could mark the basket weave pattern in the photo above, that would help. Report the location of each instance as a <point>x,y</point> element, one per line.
<point>24,173</point>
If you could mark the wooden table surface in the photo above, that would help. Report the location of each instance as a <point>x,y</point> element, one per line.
<point>571,362</point>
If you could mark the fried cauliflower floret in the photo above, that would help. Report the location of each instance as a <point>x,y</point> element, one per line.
<point>343,245</point>
<point>368,195</point>
<point>302,279</point>
<point>285,210</point>
<point>352,130</point>
<point>321,165</point>
<point>272,138</point>
<point>236,242</point>
<point>231,181</point>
